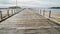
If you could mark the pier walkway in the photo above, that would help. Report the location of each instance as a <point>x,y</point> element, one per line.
<point>28,22</point>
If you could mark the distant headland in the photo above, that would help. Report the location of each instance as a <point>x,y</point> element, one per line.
<point>11,7</point>
<point>54,8</point>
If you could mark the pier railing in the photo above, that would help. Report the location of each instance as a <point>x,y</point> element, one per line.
<point>6,13</point>
<point>48,13</point>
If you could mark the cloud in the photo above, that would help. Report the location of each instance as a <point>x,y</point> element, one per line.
<point>30,3</point>
<point>41,3</point>
<point>7,3</point>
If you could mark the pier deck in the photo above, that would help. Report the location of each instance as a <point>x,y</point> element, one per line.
<point>28,22</point>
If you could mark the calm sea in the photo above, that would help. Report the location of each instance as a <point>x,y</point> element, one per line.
<point>56,11</point>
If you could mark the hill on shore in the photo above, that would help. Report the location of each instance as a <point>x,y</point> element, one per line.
<point>14,7</point>
<point>55,8</point>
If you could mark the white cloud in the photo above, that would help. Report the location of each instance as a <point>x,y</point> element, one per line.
<point>35,2</point>
<point>30,3</point>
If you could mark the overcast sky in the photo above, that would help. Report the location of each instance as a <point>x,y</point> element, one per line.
<point>30,3</point>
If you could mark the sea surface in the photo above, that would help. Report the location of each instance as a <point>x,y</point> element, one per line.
<point>37,10</point>
<point>4,11</point>
<point>54,11</point>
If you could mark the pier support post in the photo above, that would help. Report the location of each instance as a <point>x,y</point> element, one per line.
<point>40,11</point>
<point>50,14</point>
<point>12,12</point>
<point>1,15</point>
<point>43,12</point>
<point>8,12</point>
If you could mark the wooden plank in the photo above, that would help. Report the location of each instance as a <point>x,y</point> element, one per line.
<point>41,27</point>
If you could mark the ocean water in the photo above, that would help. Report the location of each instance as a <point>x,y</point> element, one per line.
<point>37,10</point>
<point>54,11</point>
<point>4,11</point>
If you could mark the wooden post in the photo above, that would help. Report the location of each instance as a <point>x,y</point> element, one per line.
<point>40,11</point>
<point>8,12</point>
<point>12,12</point>
<point>16,10</point>
<point>43,12</point>
<point>50,14</point>
<point>1,15</point>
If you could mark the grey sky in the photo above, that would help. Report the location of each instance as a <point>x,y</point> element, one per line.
<point>30,3</point>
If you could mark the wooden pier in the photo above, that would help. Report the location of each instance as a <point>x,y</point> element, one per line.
<point>28,22</point>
